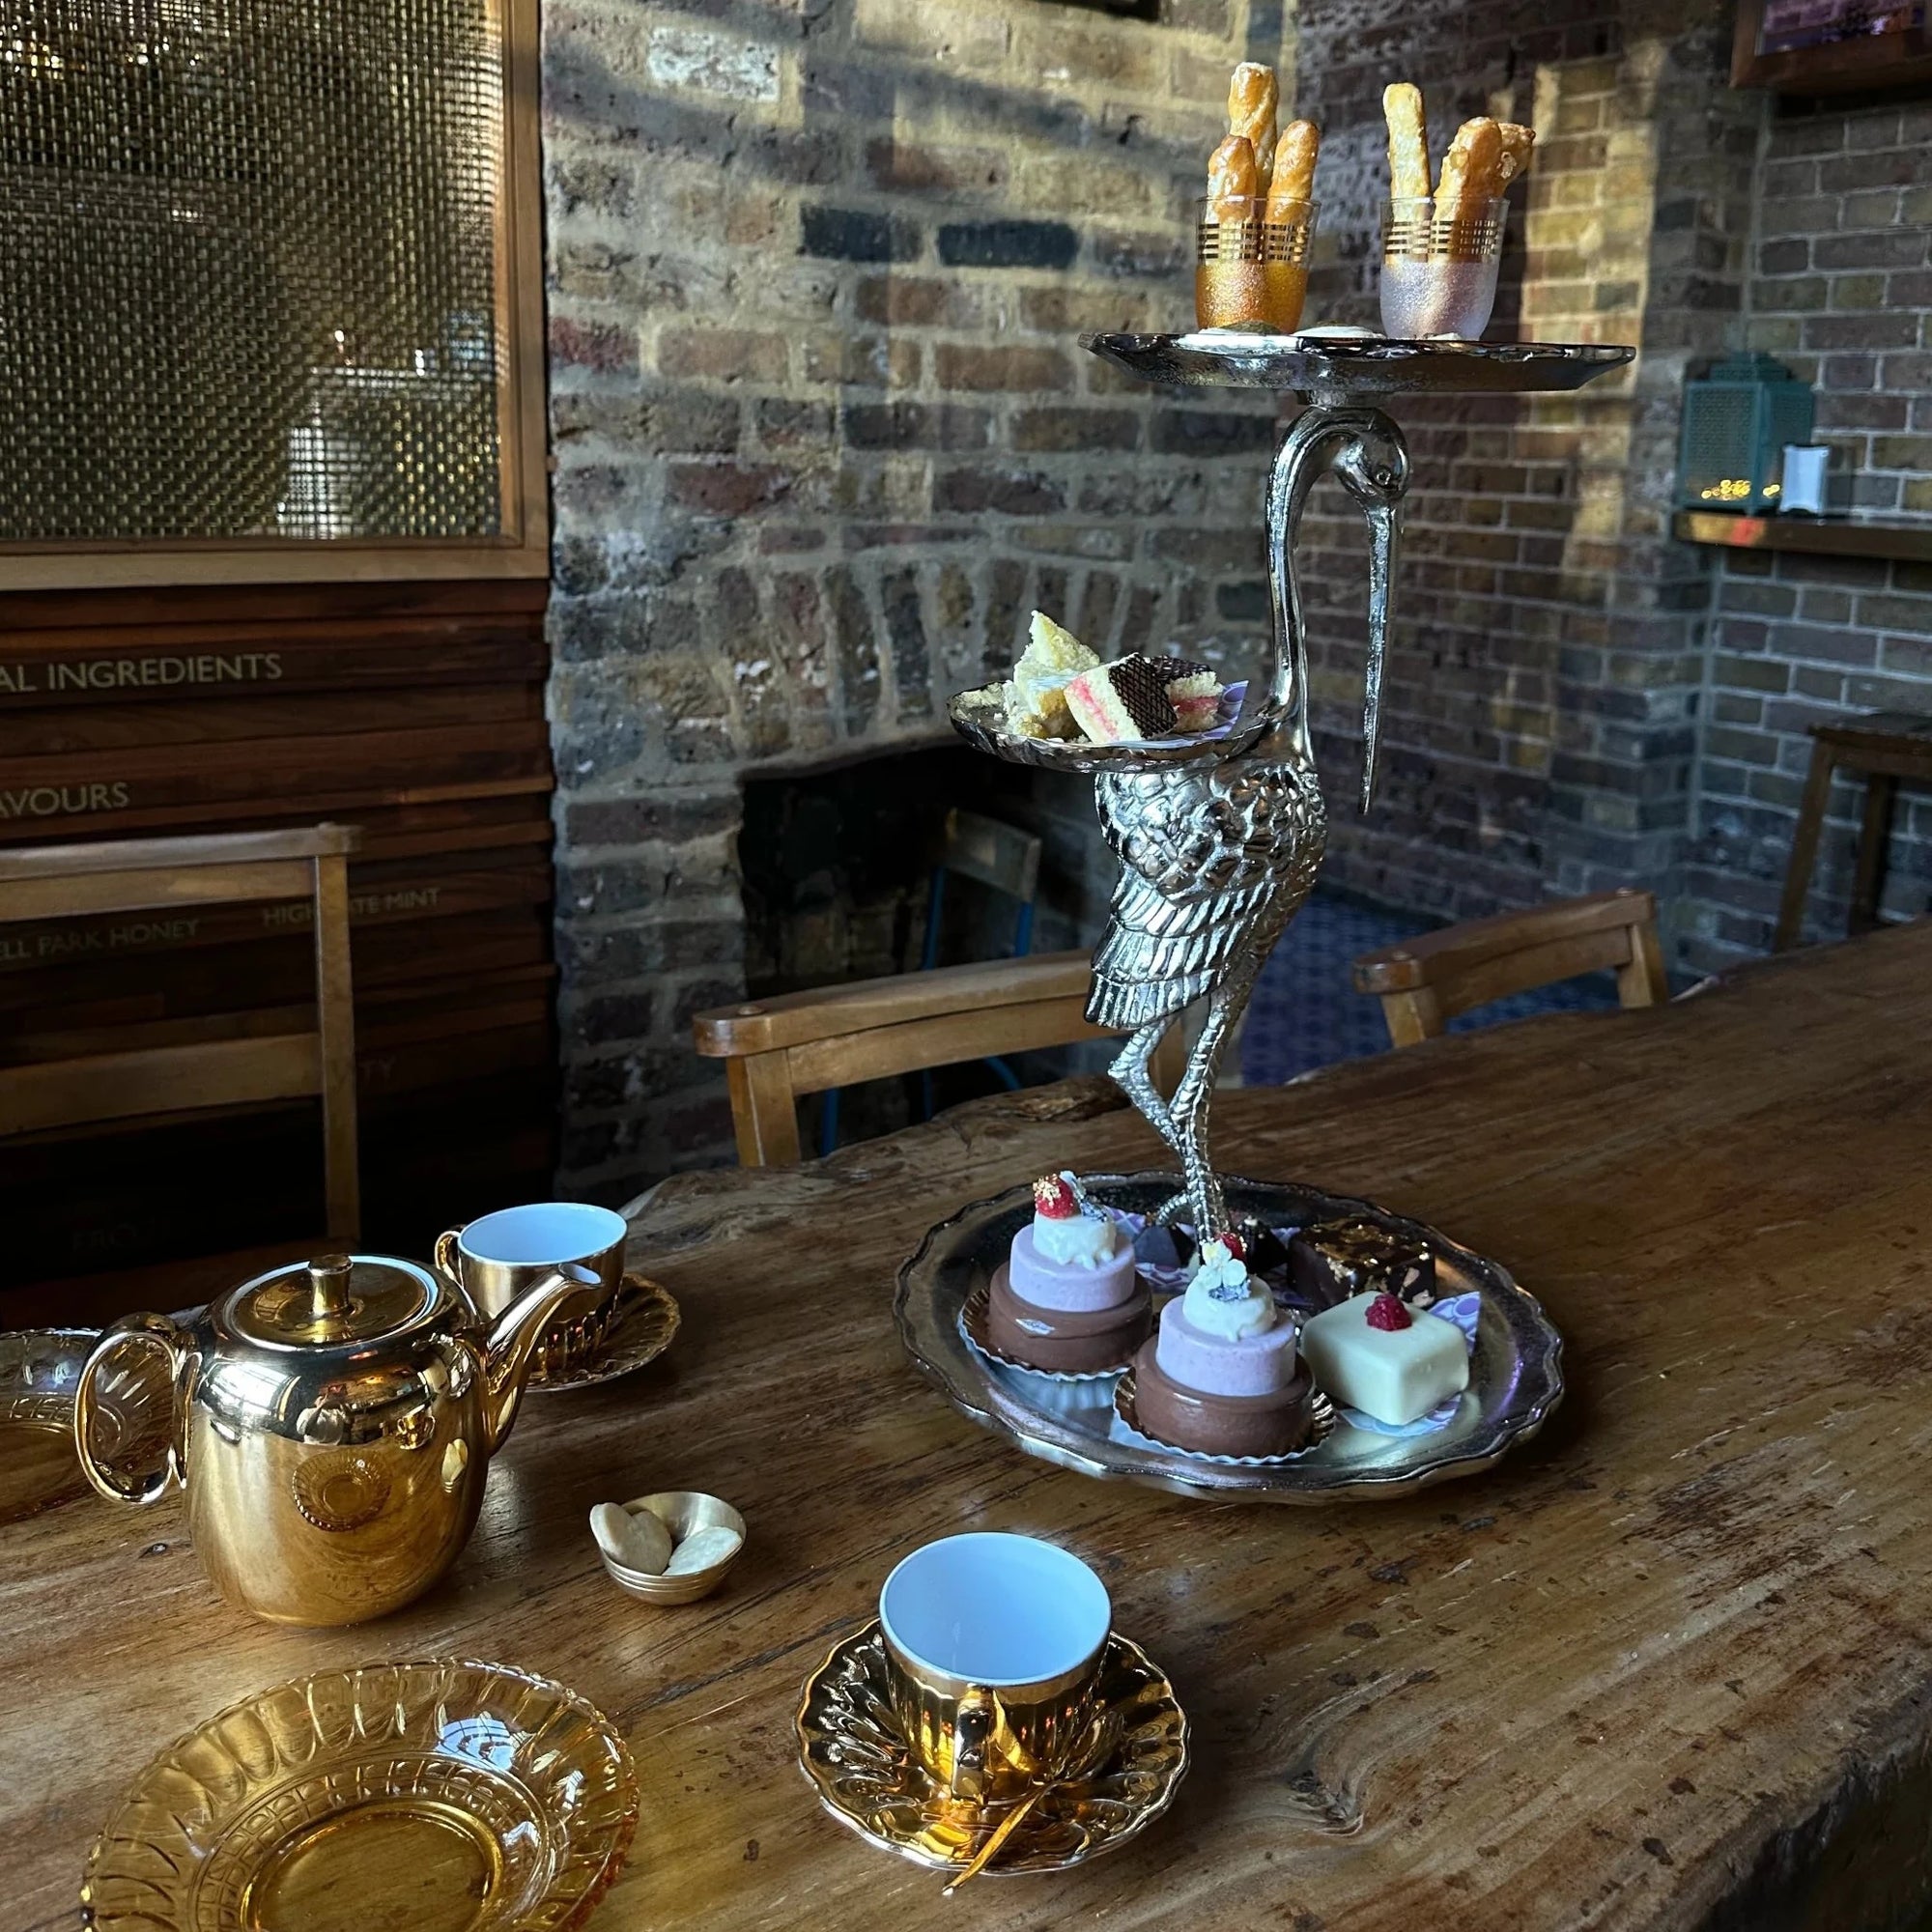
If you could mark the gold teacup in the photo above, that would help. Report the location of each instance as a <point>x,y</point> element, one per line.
<point>993,1645</point>
<point>500,1256</point>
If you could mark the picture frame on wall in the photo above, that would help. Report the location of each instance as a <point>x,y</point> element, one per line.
<point>1832,46</point>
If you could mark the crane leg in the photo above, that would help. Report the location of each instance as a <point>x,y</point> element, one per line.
<point>1130,1072</point>
<point>1191,1098</point>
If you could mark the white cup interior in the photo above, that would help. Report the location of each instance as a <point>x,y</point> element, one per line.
<point>545,1231</point>
<point>995,1609</point>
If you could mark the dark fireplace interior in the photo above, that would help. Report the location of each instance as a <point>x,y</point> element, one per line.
<point>837,865</point>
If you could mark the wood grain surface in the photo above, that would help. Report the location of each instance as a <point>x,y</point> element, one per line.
<point>1664,1667</point>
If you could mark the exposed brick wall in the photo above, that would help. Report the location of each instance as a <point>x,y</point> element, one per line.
<point>1841,291</point>
<point>823,436</point>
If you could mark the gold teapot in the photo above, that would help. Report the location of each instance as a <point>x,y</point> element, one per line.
<point>334,1422</point>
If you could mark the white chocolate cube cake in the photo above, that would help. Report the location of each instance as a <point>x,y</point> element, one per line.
<point>1392,1362</point>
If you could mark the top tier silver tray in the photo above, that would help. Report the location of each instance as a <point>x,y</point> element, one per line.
<point>1337,371</point>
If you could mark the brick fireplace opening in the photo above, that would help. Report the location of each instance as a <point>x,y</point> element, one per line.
<point>836,865</point>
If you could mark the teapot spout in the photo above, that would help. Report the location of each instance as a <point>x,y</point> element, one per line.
<point>570,1290</point>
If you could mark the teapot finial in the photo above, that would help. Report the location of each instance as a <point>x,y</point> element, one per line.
<point>328,1288</point>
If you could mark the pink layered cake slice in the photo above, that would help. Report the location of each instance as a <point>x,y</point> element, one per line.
<point>1223,1376</point>
<point>1070,1298</point>
<point>1139,697</point>
<point>1196,696</point>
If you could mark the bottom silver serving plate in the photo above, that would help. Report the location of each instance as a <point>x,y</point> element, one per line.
<point>1516,1374</point>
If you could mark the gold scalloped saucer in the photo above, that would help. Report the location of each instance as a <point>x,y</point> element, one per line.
<point>640,1324</point>
<point>851,1748</point>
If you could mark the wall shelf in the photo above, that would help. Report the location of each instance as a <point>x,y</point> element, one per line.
<point>1817,536</point>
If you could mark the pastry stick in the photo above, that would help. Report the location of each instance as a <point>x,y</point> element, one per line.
<point>1471,170</point>
<point>1408,142</point>
<point>1518,140</point>
<point>1293,168</point>
<point>1231,180</point>
<point>1253,97</point>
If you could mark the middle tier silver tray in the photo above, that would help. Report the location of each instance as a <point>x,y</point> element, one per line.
<point>1516,1374</point>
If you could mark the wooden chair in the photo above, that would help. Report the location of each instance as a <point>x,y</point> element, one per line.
<point>187,1075</point>
<point>1883,746</point>
<point>992,854</point>
<point>804,1043</point>
<point>1424,982</point>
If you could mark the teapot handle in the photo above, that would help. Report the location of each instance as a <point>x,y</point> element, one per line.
<point>145,1332</point>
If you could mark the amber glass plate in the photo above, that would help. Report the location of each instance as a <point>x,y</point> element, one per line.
<point>38,1371</point>
<point>853,1752</point>
<point>442,1796</point>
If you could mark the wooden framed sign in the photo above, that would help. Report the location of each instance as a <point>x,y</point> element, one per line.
<point>271,294</point>
<point>1830,47</point>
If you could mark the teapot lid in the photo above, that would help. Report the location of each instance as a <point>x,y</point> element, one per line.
<point>331,1301</point>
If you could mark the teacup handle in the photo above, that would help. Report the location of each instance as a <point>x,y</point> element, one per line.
<point>146,1331</point>
<point>446,1259</point>
<point>973,1727</point>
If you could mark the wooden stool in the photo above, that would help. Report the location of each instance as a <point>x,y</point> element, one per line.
<point>1426,981</point>
<point>1885,746</point>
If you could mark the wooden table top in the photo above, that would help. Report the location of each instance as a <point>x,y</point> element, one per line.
<point>1670,1657</point>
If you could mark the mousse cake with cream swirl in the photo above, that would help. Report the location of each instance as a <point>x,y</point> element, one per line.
<point>1222,1377</point>
<point>1069,1299</point>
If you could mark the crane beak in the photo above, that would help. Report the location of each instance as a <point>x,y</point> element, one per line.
<point>1383,526</point>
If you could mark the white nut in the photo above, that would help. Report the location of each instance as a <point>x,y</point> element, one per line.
<point>637,1542</point>
<point>704,1550</point>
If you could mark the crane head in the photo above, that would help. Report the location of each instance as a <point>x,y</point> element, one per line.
<point>1374,469</point>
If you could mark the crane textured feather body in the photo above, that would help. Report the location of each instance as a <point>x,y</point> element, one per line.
<point>1213,864</point>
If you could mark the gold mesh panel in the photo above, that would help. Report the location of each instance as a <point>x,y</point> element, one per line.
<point>247,269</point>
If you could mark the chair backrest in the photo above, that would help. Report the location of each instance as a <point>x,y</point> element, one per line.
<point>804,1042</point>
<point>186,1074</point>
<point>994,854</point>
<point>1424,982</point>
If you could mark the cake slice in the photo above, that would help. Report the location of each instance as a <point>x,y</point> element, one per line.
<point>1037,693</point>
<point>1195,693</point>
<point>1138,698</point>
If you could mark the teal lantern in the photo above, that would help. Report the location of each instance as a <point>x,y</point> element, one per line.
<point>1736,423</point>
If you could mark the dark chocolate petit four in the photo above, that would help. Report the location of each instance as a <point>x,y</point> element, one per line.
<point>1331,1261</point>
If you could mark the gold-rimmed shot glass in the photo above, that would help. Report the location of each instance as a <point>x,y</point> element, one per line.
<point>1439,276</point>
<point>1251,264</point>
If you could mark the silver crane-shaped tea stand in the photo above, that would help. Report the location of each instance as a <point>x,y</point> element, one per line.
<point>1220,838</point>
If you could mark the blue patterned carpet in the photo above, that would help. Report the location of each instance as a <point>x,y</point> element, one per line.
<point>1306,1012</point>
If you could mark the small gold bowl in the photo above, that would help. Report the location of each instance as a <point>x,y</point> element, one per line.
<point>681,1512</point>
